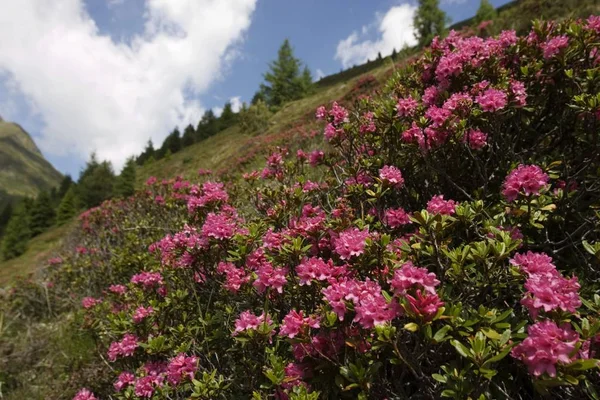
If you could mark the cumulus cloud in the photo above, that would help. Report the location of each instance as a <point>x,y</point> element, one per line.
<point>236,103</point>
<point>319,74</point>
<point>395,30</point>
<point>97,94</point>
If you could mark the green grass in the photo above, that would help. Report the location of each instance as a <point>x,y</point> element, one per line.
<point>38,251</point>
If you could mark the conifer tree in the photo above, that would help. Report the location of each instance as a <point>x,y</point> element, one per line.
<point>96,183</point>
<point>42,214</point>
<point>189,136</point>
<point>17,234</point>
<point>284,81</point>
<point>125,184</point>
<point>64,186</point>
<point>147,154</point>
<point>208,125</point>
<point>486,12</point>
<point>429,21</point>
<point>228,117</point>
<point>5,214</point>
<point>67,207</point>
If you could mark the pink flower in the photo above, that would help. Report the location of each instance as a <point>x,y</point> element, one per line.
<point>89,302</point>
<point>147,279</point>
<point>126,347</point>
<point>553,46</point>
<point>235,277</point>
<point>551,292</point>
<point>321,112</point>
<point>351,243</point>
<point>117,289</point>
<point>396,217</point>
<point>492,100</point>
<point>125,379</point>
<point>392,176</point>
<point>339,113</point>
<point>424,306</point>
<point>145,386</point>
<point>519,94</point>
<point>535,264</point>
<point>545,347</point>
<point>85,394</point>
<point>437,205</point>
<point>218,226</point>
<point>296,323</point>
<point>475,139</point>
<point>141,313</point>
<point>430,95</point>
<point>270,277</point>
<point>181,367</point>
<point>316,269</point>
<point>316,157</point>
<point>406,107</point>
<point>151,181</point>
<point>249,321</point>
<point>593,23</point>
<point>525,179</point>
<point>409,276</point>
<point>332,133</point>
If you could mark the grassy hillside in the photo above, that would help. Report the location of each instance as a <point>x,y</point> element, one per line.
<point>23,169</point>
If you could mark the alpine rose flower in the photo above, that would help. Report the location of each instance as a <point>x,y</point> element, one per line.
<point>409,276</point>
<point>181,367</point>
<point>492,100</point>
<point>249,321</point>
<point>395,218</point>
<point>437,205</point>
<point>296,323</point>
<point>545,347</point>
<point>525,179</point>
<point>85,394</point>
<point>406,107</point>
<point>351,243</point>
<point>392,176</point>
<point>124,380</point>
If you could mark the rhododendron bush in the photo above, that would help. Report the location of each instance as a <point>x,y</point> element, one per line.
<point>442,242</point>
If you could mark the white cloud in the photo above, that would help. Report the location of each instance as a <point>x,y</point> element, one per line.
<point>319,74</point>
<point>95,94</point>
<point>218,111</point>
<point>236,103</point>
<point>395,28</point>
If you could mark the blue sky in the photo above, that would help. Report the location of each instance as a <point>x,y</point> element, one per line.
<point>106,75</point>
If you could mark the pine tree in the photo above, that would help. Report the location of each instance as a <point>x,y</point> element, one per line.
<point>5,215</point>
<point>228,117</point>
<point>208,125</point>
<point>41,214</point>
<point>147,154</point>
<point>486,12</point>
<point>429,21</point>
<point>17,234</point>
<point>64,186</point>
<point>67,207</point>
<point>125,185</point>
<point>306,82</point>
<point>96,183</point>
<point>284,82</point>
<point>189,136</point>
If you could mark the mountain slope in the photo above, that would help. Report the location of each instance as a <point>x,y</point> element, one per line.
<point>23,169</point>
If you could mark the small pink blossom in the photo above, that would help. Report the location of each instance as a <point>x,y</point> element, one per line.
<point>295,323</point>
<point>437,205</point>
<point>475,139</point>
<point>396,217</point>
<point>141,313</point>
<point>249,321</point>
<point>553,46</point>
<point>392,176</point>
<point>406,107</point>
<point>268,276</point>
<point>351,243</point>
<point>424,306</point>
<point>181,367</point>
<point>492,100</point>
<point>125,379</point>
<point>525,179</point>
<point>409,276</point>
<point>85,394</point>
<point>89,302</point>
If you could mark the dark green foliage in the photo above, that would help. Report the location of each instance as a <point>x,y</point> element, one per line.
<point>189,136</point>
<point>96,183</point>
<point>41,215</point>
<point>486,12</point>
<point>67,208</point>
<point>208,126</point>
<point>171,144</point>
<point>5,214</point>
<point>255,118</point>
<point>125,185</point>
<point>430,21</point>
<point>147,154</point>
<point>17,233</point>
<point>64,186</point>
<point>284,81</point>
<point>228,117</point>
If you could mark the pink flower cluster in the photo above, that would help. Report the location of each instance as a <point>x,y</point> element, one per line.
<point>351,243</point>
<point>370,306</point>
<point>295,323</point>
<point>211,193</point>
<point>406,107</point>
<point>234,277</point>
<point>117,289</point>
<point>492,100</point>
<point>85,394</point>
<point>554,45</point>
<point>89,302</point>
<point>409,276</point>
<point>391,176</point>
<point>126,347</point>
<point>125,379</point>
<point>475,139</point>
<point>396,217</point>
<point>316,269</point>
<point>181,367</point>
<point>248,321</point>
<point>525,179</point>
<point>268,276</point>
<point>547,289</point>
<point>546,346</point>
<point>147,279</point>
<point>437,205</point>
<point>218,226</point>
<point>141,313</point>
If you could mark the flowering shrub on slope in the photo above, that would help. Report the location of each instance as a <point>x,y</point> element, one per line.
<point>443,246</point>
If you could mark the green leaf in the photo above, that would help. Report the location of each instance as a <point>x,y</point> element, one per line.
<point>411,327</point>
<point>440,335</point>
<point>583,365</point>
<point>461,348</point>
<point>492,334</point>
<point>439,378</point>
